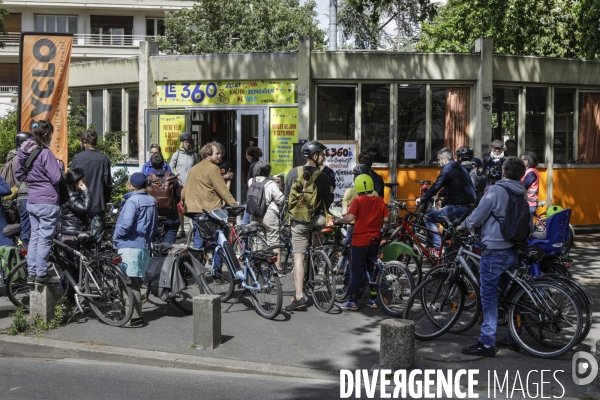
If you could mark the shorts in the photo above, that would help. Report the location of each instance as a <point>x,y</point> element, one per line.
<point>301,232</point>
<point>180,204</point>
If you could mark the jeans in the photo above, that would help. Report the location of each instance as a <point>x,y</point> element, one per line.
<point>531,212</point>
<point>493,263</point>
<point>171,233</point>
<point>362,257</point>
<point>25,224</point>
<point>97,224</point>
<point>199,242</point>
<point>246,219</point>
<point>44,219</point>
<point>433,218</point>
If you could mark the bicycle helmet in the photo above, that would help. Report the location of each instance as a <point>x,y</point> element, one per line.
<point>495,173</point>
<point>185,136</point>
<point>21,137</point>
<point>363,184</point>
<point>464,153</point>
<point>310,148</point>
<point>361,169</point>
<point>553,210</point>
<point>477,162</point>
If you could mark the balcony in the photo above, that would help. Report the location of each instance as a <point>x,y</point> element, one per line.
<point>96,40</point>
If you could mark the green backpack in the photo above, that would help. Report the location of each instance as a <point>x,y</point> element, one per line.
<point>303,201</point>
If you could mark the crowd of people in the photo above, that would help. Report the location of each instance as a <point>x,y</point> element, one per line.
<point>195,182</point>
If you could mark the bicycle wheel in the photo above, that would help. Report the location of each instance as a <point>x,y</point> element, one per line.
<point>286,268</point>
<point>546,321</point>
<point>321,281</point>
<point>472,308</point>
<point>252,242</point>
<point>569,242</point>
<point>17,289</point>
<point>114,302</point>
<point>395,286</point>
<point>414,265</point>
<point>184,299</point>
<point>435,305</point>
<point>218,281</point>
<point>268,299</point>
<point>340,261</point>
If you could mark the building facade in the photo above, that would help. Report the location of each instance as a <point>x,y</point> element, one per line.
<point>401,107</point>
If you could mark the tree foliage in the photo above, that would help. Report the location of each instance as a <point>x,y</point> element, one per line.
<point>217,26</point>
<point>3,13</point>
<point>554,28</point>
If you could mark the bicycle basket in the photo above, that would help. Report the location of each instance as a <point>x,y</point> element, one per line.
<point>207,228</point>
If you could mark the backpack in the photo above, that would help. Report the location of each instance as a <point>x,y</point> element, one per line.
<point>163,190</point>
<point>303,201</point>
<point>256,200</point>
<point>515,225</point>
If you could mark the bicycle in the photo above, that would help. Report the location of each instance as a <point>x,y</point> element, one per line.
<point>258,276</point>
<point>101,281</point>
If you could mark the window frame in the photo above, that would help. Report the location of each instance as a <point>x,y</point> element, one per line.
<point>55,16</point>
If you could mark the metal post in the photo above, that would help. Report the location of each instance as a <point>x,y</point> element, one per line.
<point>333,25</point>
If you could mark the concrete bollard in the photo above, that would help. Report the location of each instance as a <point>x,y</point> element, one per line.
<point>43,300</point>
<point>597,380</point>
<point>397,348</point>
<point>207,321</point>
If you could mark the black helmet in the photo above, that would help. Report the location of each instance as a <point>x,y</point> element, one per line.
<point>361,169</point>
<point>185,136</point>
<point>465,153</point>
<point>495,173</point>
<point>21,137</point>
<point>311,148</point>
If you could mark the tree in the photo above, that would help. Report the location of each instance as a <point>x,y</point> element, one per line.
<point>217,26</point>
<point>3,13</point>
<point>524,27</point>
<point>589,28</point>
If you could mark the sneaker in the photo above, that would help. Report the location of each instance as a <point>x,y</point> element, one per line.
<point>180,234</point>
<point>507,344</point>
<point>374,304</point>
<point>479,350</point>
<point>296,304</point>
<point>349,305</point>
<point>47,280</point>
<point>135,322</point>
<point>30,279</point>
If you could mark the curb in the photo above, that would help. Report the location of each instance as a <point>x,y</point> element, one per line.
<point>20,346</point>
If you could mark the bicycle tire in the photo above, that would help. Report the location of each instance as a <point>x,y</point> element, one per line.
<point>569,242</point>
<point>115,305</point>
<point>184,299</point>
<point>17,289</point>
<point>414,265</point>
<point>255,241</point>
<point>535,336</point>
<point>472,308</point>
<point>341,272</point>
<point>395,286</point>
<point>321,281</point>
<point>286,268</point>
<point>434,306</point>
<point>268,300</point>
<point>217,282</point>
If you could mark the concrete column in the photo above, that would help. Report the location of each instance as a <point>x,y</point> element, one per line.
<point>125,121</point>
<point>521,123</point>
<point>89,115</point>
<point>393,132</point>
<point>43,301</point>
<point>397,348</point>
<point>207,321</point>
<point>147,91</point>
<point>576,125</point>
<point>428,124</point>
<point>358,117</point>
<point>305,92</point>
<point>106,115</point>
<point>483,96</point>
<point>549,143</point>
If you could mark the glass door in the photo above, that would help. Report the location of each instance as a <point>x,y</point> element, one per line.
<point>250,132</point>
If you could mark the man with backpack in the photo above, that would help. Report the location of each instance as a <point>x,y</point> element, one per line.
<point>503,216</point>
<point>309,197</point>
<point>164,187</point>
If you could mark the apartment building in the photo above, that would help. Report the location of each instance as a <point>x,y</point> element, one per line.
<point>102,29</point>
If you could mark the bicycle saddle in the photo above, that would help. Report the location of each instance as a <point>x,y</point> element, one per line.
<point>248,229</point>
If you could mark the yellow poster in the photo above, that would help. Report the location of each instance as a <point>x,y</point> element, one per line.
<point>283,131</point>
<point>170,128</point>
<point>226,93</point>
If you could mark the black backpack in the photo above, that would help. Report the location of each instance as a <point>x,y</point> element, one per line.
<point>515,225</point>
<point>256,201</point>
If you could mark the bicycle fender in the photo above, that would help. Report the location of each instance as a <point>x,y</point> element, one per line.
<point>392,251</point>
<point>123,275</point>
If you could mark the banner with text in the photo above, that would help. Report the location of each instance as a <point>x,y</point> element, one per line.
<point>283,133</point>
<point>226,93</point>
<point>169,130</point>
<point>43,87</point>
<point>341,157</point>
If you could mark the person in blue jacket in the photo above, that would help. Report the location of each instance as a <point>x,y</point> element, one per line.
<point>154,148</point>
<point>4,191</point>
<point>135,228</point>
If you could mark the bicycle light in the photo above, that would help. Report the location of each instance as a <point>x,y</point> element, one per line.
<point>23,252</point>
<point>117,260</point>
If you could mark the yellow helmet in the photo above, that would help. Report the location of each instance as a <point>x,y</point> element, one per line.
<point>363,184</point>
<point>553,210</point>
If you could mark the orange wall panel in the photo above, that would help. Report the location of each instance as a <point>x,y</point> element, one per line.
<point>385,174</point>
<point>575,188</point>
<point>408,188</point>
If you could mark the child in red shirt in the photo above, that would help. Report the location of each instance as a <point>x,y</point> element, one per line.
<point>368,211</point>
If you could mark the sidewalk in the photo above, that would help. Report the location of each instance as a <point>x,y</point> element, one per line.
<point>300,344</point>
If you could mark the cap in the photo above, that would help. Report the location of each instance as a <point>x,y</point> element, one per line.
<point>497,143</point>
<point>138,180</point>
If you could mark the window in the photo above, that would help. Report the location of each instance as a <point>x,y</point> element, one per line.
<point>98,111</point>
<point>411,124</point>
<point>375,122</point>
<point>132,131</point>
<point>155,27</point>
<point>535,122</point>
<point>335,116</point>
<point>112,30</point>
<point>505,118</point>
<point>116,110</point>
<point>55,23</point>
<point>450,118</point>
<point>564,107</point>
<point>79,107</point>
<point>589,129</point>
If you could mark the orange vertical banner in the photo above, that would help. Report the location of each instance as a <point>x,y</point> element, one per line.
<point>44,85</point>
